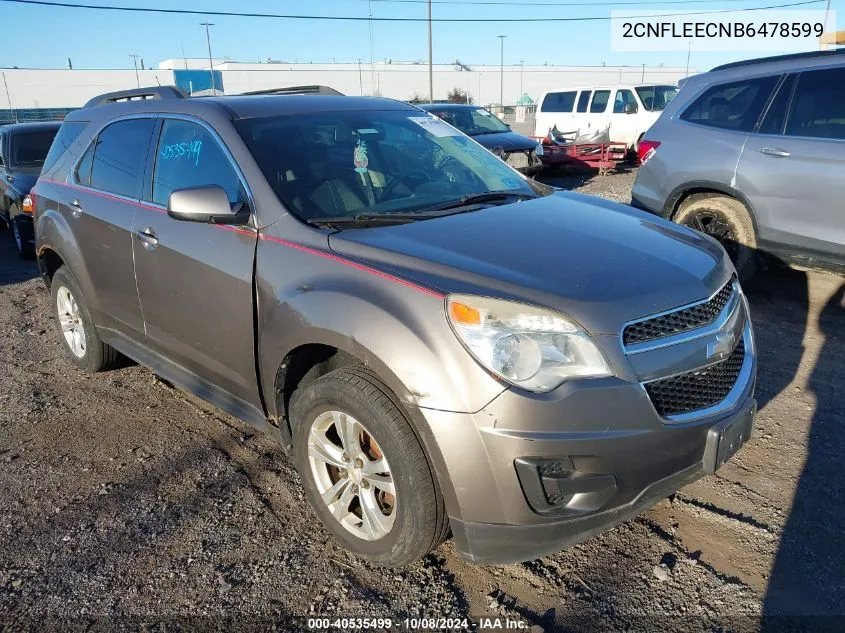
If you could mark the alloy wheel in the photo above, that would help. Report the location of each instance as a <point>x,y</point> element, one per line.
<point>714,225</point>
<point>70,320</point>
<point>352,475</point>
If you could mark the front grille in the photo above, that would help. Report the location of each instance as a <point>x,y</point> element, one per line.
<point>518,160</point>
<point>697,389</point>
<point>679,321</point>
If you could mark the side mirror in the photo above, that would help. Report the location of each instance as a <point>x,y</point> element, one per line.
<point>631,108</point>
<point>205,204</point>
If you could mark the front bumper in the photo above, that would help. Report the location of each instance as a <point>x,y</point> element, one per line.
<point>503,543</point>
<point>530,474</point>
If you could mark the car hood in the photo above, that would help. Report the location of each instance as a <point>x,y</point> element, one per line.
<point>600,262</point>
<point>508,141</point>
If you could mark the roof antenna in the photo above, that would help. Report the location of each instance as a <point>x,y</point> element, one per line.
<point>157,81</point>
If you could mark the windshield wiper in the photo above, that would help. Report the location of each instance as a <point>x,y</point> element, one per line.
<point>468,202</point>
<point>364,219</point>
<point>470,199</point>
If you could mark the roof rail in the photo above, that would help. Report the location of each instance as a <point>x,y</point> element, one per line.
<point>780,58</point>
<point>137,94</point>
<point>297,90</point>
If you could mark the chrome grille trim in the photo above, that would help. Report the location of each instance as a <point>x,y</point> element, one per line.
<point>664,328</point>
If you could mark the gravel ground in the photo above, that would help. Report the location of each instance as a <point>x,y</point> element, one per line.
<point>129,505</point>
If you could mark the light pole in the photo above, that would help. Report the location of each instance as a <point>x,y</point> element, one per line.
<point>521,70</point>
<point>210,63</point>
<point>360,78</point>
<point>643,78</point>
<point>135,61</point>
<point>689,50</point>
<point>502,70</point>
<point>430,66</point>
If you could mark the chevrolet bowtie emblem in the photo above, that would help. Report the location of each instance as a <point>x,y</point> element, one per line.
<point>722,345</point>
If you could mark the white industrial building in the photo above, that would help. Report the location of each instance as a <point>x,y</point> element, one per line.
<point>26,92</point>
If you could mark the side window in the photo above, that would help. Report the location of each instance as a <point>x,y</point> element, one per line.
<point>2,143</point>
<point>83,169</point>
<point>68,133</point>
<point>775,117</point>
<point>733,106</point>
<point>119,156</point>
<point>189,156</point>
<point>559,102</point>
<point>600,100</point>
<point>623,98</point>
<point>818,108</point>
<point>584,100</point>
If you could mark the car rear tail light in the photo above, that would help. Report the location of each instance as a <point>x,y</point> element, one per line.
<point>28,204</point>
<point>646,150</point>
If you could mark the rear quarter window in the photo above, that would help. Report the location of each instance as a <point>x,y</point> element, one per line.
<point>68,133</point>
<point>559,102</point>
<point>732,106</point>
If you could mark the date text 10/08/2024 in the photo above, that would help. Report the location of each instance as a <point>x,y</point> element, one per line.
<point>415,624</point>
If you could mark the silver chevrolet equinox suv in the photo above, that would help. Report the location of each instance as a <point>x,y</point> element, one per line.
<point>444,345</point>
<point>753,153</point>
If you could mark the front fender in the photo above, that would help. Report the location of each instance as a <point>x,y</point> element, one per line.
<point>409,343</point>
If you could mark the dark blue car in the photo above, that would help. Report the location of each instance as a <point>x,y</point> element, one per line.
<point>23,149</point>
<point>520,152</point>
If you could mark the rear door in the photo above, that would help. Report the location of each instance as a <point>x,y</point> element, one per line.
<point>793,169</point>
<point>195,280</point>
<point>99,206</point>
<point>598,117</point>
<point>581,118</point>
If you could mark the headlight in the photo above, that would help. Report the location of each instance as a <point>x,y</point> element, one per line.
<point>539,149</point>
<point>530,347</point>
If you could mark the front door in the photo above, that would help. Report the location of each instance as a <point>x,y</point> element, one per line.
<point>793,169</point>
<point>625,120</point>
<point>194,279</point>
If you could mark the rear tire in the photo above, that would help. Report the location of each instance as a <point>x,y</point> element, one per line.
<point>76,329</point>
<point>379,453</point>
<point>728,221</point>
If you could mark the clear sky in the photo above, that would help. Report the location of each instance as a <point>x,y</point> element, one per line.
<point>44,37</point>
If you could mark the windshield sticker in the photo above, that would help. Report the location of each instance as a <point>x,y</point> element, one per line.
<point>359,157</point>
<point>435,126</point>
<point>175,151</point>
<point>368,130</point>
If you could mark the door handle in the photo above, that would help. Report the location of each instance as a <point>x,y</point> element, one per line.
<point>775,152</point>
<point>75,209</point>
<point>148,238</point>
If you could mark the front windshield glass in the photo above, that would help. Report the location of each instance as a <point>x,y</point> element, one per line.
<point>30,148</point>
<point>656,98</point>
<point>473,121</point>
<point>348,164</point>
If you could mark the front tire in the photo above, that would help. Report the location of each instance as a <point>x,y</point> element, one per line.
<point>21,235</point>
<point>76,328</point>
<point>364,469</point>
<point>728,221</point>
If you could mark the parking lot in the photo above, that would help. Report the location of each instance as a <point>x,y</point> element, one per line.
<point>130,502</point>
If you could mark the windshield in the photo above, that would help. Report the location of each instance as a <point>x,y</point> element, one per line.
<point>30,148</point>
<point>363,162</point>
<point>473,121</point>
<point>656,98</point>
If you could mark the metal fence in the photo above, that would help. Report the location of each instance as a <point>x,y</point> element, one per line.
<point>33,114</point>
